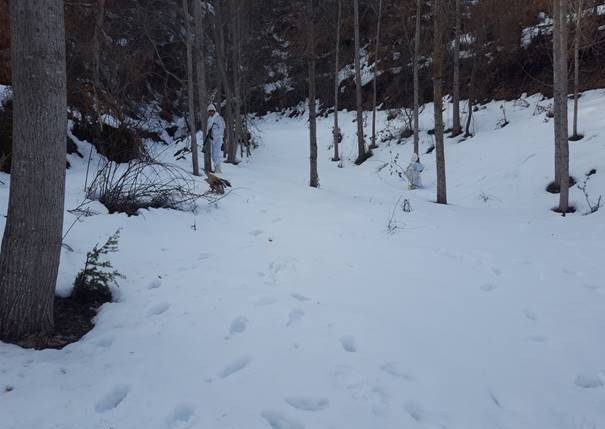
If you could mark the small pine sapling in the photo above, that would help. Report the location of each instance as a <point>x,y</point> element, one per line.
<point>92,283</point>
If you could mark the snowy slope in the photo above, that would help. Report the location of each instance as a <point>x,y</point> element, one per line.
<point>289,307</point>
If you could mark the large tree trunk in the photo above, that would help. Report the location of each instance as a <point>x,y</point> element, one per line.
<point>31,245</point>
<point>361,146</point>
<point>456,128</point>
<point>560,101</point>
<point>417,78</point>
<point>336,130</point>
<point>576,75</point>
<point>314,177</point>
<point>200,66</point>
<point>375,83</point>
<point>190,91</point>
<point>438,99</point>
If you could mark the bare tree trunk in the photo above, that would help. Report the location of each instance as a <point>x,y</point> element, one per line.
<point>456,128</point>
<point>576,76</point>
<point>471,95</point>
<point>438,99</point>
<point>560,101</point>
<point>417,78</point>
<point>237,103</point>
<point>100,16</point>
<point>361,147</point>
<point>376,55</point>
<point>222,66</point>
<point>336,130</point>
<point>314,177</point>
<point>200,66</point>
<point>31,245</point>
<point>190,91</point>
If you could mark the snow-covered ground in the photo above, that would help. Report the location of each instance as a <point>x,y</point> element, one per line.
<point>289,307</point>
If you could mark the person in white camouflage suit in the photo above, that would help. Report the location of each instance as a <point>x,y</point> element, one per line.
<point>412,172</point>
<point>216,134</point>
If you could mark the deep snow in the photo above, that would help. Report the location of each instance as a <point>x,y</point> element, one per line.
<point>289,307</point>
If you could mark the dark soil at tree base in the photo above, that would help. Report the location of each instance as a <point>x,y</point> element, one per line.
<point>73,320</point>
<point>554,188</point>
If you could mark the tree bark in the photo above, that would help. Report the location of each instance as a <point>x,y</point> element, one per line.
<point>190,90</point>
<point>99,18</point>
<point>31,245</point>
<point>456,127</point>
<point>374,83</point>
<point>200,66</point>
<point>417,78</point>
<point>336,130</point>
<point>361,147</point>
<point>560,102</point>
<point>314,177</point>
<point>576,76</point>
<point>438,99</point>
<point>222,68</point>
<point>237,103</point>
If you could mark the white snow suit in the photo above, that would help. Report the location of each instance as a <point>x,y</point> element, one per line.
<point>412,173</point>
<point>216,131</point>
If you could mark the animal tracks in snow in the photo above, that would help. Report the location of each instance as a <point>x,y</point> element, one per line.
<point>155,283</point>
<point>238,325</point>
<point>263,301</point>
<point>277,420</point>
<point>158,309</point>
<point>300,297</point>
<point>348,343</point>
<point>181,417</point>
<point>489,287</point>
<point>295,317</point>
<point>392,369</point>
<point>235,366</point>
<point>112,399</point>
<point>590,381</point>
<point>308,403</point>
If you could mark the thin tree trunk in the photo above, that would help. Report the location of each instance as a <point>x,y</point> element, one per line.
<point>222,65</point>
<point>456,128</point>
<point>237,122</point>
<point>190,91</point>
<point>31,244</point>
<point>336,130</point>
<point>200,66</point>
<point>471,95</point>
<point>556,40</point>
<point>576,76</point>
<point>374,86</point>
<point>560,101</point>
<point>438,99</point>
<point>314,177</point>
<point>100,16</point>
<point>361,147</point>
<point>417,78</point>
